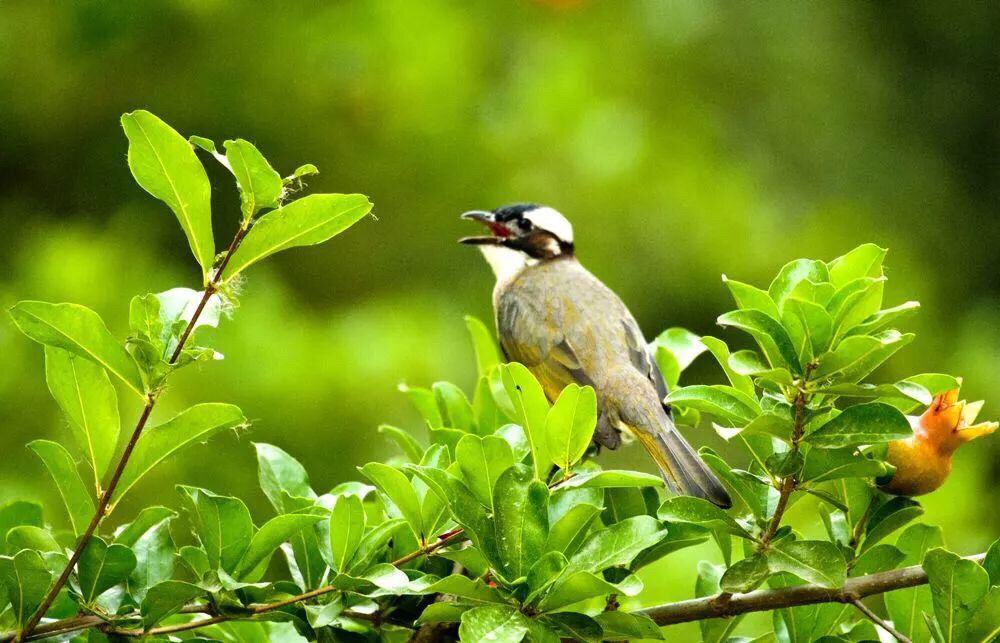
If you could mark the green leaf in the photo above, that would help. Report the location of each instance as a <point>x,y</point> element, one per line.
<point>984,626</point>
<point>472,589</point>
<point>424,401</point>
<point>577,626</point>
<point>154,554</point>
<point>749,297</point>
<point>863,261</point>
<point>374,542</point>
<point>310,220</point>
<point>19,513</point>
<point>610,479</point>
<point>794,272</point>
<point>569,426</point>
<point>854,303</point>
<point>165,165</point>
<point>809,326</point>
<point>397,489</point>
<point>269,537</point>
<point>617,545</point>
<point>746,574</point>
<point>545,571</point>
<point>814,561</point>
<point>574,587</point>
<point>260,186</point>
<point>455,407</point>
<point>58,461</point>
<point>165,599</point>
<point>521,519</point>
<point>30,537</point>
<point>715,630</point>
<point>858,356</point>
<point>495,623</point>
<point>869,423</point>
<point>832,464</point>
<point>700,512</point>
<point>758,496</point>
<point>681,347</point>
<point>25,579</point>
<point>404,439</point>
<point>622,625</point>
<point>487,354</point>
<point>347,527</point>
<point>103,566</point>
<point>84,393</point>
<point>530,410</point>
<point>723,402</point>
<point>957,585</point>
<point>770,335</point>
<point>223,526</point>
<point>80,331</point>
<point>880,558</point>
<point>158,443</point>
<point>889,517</point>
<point>992,562</point>
<point>567,533</point>
<point>280,476</point>
<point>749,363</point>
<point>884,318</point>
<point>720,352</point>
<point>482,461</point>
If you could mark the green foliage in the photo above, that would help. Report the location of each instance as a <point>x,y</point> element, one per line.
<point>499,509</point>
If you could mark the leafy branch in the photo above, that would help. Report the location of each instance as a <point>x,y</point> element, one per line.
<point>496,519</point>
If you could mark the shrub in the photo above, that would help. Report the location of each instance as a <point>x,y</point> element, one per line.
<point>501,526</point>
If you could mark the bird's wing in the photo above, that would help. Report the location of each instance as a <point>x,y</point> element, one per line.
<point>534,337</point>
<point>642,358</point>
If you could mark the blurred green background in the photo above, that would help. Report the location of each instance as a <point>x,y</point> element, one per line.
<point>684,140</point>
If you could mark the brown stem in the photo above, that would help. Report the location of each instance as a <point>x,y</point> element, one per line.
<point>699,609</point>
<point>878,620</point>
<point>105,500</point>
<point>788,483</point>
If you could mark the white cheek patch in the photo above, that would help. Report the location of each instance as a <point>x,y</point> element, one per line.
<point>551,220</point>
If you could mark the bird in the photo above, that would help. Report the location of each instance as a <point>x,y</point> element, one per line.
<point>922,461</point>
<point>562,323</point>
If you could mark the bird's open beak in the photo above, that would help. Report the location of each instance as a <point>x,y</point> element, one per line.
<point>499,231</point>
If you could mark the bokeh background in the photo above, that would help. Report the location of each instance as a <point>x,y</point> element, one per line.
<point>684,139</point>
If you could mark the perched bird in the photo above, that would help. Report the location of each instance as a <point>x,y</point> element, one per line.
<point>566,326</point>
<point>923,460</point>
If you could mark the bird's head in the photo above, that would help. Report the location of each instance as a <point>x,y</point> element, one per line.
<point>535,231</point>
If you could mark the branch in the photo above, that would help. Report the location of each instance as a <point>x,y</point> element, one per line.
<point>878,620</point>
<point>699,609</point>
<point>103,506</point>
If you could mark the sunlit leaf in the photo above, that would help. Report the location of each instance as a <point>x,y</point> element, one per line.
<point>25,577</point>
<point>158,443</point>
<point>103,566</point>
<point>814,561</point>
<point>58,461</point>
<point>522,520</point>
<point>260,186</point>
<point>165,165</point>
<point>569,426</point>
<point>80,331</point>
<point>308,221</point>
<point>957,585</point>
<point>861,424</point>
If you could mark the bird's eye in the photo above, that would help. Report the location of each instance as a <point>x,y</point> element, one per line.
<point>524,224</point>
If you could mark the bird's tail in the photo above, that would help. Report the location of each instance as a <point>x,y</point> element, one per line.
<point>681,468</point>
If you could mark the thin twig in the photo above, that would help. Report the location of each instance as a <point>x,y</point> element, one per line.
<point>878,620</point>
<point>788,483</point>
<point>104,502</point>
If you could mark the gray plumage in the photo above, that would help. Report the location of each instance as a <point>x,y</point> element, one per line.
<point>566,326</point>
